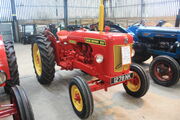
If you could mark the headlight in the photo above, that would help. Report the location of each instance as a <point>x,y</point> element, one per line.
<point>99,58</point>
<point>2,77</point>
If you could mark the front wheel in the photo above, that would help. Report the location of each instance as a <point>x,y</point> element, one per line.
<point>164,70</point>
<point>23,106</point>
<point>81,98</point>
<point>140,83</point>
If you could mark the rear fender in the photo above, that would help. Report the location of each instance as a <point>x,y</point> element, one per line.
<point>55,43</point>
<point>3,59</point>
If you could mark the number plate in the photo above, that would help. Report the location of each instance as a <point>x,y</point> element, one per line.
<point>121,78</point>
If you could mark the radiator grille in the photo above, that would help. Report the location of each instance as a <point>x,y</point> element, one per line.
<point>118,67</point>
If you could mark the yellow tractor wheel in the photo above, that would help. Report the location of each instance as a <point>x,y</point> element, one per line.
<point>140,83</point>
<point>134,85</point>
<point>43,60</point>
<point>81,98</point>
<point>37,59</point>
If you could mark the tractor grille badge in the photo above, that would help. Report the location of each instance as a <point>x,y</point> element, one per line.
<point>95,41</point>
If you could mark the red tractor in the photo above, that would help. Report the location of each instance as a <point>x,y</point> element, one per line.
<point>104,55</point>
<point>19,106</point>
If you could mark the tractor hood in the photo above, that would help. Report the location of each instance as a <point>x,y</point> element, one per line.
<point>106,36</point>
<point>157,31</point>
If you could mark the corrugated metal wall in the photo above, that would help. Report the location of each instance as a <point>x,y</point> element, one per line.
<point>53,9</point>
<point>124,8</point>
<point>150,8</point>
<point>5,10</point>
<point>39,9</point>
<point>83,8</point>
<point>154,8</point>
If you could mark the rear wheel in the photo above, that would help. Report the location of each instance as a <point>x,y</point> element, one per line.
<point>165,70</point>
<point>13,67</point>
<point>140,83</point>
<point>43,60</point>
<point>23,106</point>
<point>81,98</point>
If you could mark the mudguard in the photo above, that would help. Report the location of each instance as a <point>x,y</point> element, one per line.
<point>3,59</point>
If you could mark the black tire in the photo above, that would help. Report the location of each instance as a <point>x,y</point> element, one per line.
<point>144,82</point>
<point>154,56</point>
<point>13,67</point>
<point>140,54</point>
<point>18,97</point>
<point>168,62</point>
<point>178,61</point>
<point>47,60</point>
<point>88,104</point>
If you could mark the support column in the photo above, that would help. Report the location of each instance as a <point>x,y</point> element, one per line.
<point>111,11</point>
<point>105,9</point>
<point>177,19</point>
<point>142,8</point>
<point>15,26</point>
<point>65,13</point>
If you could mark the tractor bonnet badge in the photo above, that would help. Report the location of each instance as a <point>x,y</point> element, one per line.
<point>95,41</point>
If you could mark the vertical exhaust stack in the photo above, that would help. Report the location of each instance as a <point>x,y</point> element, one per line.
<point>101,16</point>
<point>177,19</point>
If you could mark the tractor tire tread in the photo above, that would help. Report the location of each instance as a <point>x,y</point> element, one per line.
<point>144,82</point>
<point>12,64</point>
<point>175,66</point>
<point>87,97</point>
<point>47,59</point>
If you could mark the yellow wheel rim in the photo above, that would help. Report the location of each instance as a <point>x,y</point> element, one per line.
<point>37,59</point>
<point>76,98</point>
<point>134,85</point>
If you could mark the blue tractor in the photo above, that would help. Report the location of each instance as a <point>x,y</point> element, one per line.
<point>163,44</point>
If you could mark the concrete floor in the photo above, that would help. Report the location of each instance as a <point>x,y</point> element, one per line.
<point>52,102</point>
